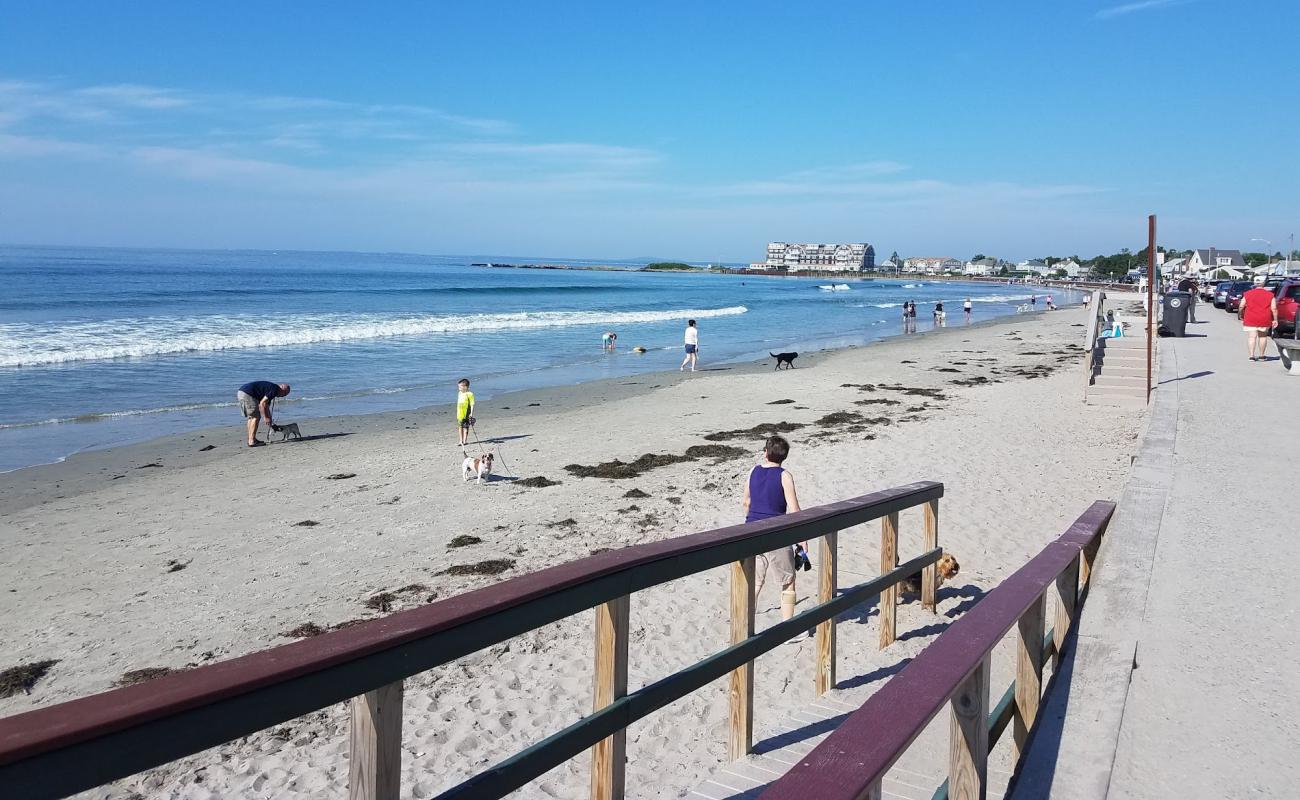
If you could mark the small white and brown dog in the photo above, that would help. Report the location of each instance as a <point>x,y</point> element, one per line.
<point>477,466</point>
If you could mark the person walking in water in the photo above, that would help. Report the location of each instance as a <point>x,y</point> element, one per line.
<point>608,340</point>
<point>769,492</point>
<point>255,401</point>
<point>692,345</point>
<point>966,308</point>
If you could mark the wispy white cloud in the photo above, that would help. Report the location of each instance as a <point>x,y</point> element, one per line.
<point>1130,8</point>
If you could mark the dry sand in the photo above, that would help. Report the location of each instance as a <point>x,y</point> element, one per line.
<point>164,555</point>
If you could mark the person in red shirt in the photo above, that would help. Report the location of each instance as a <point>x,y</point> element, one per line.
<point>1258,315</point>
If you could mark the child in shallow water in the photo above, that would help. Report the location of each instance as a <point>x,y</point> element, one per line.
<point>769,492</point>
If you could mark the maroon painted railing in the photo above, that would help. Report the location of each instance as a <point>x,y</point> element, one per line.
<point>851,763</point>
<point>72,746</point>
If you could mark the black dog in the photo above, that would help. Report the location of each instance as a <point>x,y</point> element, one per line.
<point>784,358</point>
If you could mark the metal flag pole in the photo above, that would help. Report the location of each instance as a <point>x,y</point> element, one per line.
<point>1151,295</point>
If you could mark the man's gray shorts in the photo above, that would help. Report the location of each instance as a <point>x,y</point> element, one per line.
<point>781,562</point>
<point>248,405</point>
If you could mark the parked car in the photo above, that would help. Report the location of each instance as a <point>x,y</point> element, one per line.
<point>1207,290</point>
<point>1288,302</point>
<point>1221,293</point>
<point>1232,300</point>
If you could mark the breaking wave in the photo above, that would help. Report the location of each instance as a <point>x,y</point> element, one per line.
<point>28,345</point>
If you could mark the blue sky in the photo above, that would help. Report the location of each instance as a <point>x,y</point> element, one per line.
<point>689,130</point>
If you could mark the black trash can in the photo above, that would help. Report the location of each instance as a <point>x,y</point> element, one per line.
<point>1177,304</point>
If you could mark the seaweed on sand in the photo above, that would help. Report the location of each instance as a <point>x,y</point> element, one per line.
<point>463,540</point>
<point>620,469</point>
<point>304,631</point>
<point>382,601</point>
<point>721,452</point>
<point>24,676</point>
<point>536,482</point>
<point>873,401</point>
<point>636,494</point>
<point>135,676</point>
<point>781,402</point>
<point>761,431</point>
<point>494,566</point>
<point>840,418</point>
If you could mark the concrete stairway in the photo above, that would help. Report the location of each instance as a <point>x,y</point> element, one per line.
<point>1119,375</point>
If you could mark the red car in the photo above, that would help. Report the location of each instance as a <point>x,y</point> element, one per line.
<point>1288,301</point>
<point>1232,300</point>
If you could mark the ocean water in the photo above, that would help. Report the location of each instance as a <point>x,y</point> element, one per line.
<point>100,347</point>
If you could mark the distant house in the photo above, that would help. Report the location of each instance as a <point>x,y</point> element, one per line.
<point>1212,259</point>
<point>931,265</point>
<point>981,266</point>
<point>1031,266</point>
<point>1072,268</point>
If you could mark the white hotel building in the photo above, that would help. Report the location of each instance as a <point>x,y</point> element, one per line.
<point>819,257</point>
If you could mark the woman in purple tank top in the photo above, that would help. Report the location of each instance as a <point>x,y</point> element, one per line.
<point>769,492</point>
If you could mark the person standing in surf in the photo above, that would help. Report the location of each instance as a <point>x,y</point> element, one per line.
<point>692,345</point>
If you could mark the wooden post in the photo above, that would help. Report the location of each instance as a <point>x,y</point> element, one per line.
<point>375,760</point>
<point>1089,561</point>
<point>888,597</point>
<point>609,756</point>
<point>1029,673</point>
<point>825,678</point>
<point>930,576</point>
<point>742,677</point>
<point>968,744</point>
<point>1067,594</point>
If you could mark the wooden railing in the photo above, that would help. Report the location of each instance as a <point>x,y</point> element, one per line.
<point>1095,317</point>
<point>851,763</point>
<point>73,746</point>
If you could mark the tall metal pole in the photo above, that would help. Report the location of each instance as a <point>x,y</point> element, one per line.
<point>1151,295</point>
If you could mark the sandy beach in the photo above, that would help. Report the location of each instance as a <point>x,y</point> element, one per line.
<point>194,548</point>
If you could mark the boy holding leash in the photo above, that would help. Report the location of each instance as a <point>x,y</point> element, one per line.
<point>769,492</point>
<point>464,410</point>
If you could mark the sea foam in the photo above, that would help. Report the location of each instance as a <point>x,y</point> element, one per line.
<point>29,345</point>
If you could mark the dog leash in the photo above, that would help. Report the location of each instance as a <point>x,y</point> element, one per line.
<point>474,430</point>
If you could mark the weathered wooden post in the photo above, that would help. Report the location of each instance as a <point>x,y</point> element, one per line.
<point>930,576</point>
<point>825,678</point>
<point>888,597</point>
<point>1089,560</point>
<point>968,744</point>
<point>1067,595</point>
<point>1029,672</point>
<point>741,738</point>
<point>375,744</point>
<point>609,755</point>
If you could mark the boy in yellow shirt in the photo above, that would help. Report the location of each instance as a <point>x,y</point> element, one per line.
<point>464,410</point>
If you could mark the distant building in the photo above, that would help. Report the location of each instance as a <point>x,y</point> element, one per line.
<point>1213,258</point>
<point>1032,266</point>
<point>981,266</point>
<point>932,265</point>
<point>855,257</point>
<point>1072,268</point>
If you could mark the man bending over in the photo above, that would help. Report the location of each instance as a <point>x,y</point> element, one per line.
<point>255,401</point>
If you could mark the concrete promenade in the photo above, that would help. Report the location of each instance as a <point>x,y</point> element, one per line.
<point>1185,678</point>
